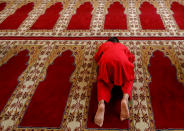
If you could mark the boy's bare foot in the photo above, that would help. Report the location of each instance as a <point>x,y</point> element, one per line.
<point>124,109</point>
<point>99,117</point>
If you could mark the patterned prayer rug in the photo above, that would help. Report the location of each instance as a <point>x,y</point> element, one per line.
<point>48,74</point>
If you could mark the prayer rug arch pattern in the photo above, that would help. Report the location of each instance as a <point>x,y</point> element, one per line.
<point>120,26</point>
<point>15,20</point>
<point>147,21</point>
<point>157,52</point>
<point>164,24</point>
<point>51,15</point>
<point>82,18</point>
<point>14,69</point>
<point>83,79</point>
<point>165,55</point>
<point>176,8</point>
<point>119,20</point>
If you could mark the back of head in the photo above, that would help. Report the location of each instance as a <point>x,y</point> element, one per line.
<point>113,39</point>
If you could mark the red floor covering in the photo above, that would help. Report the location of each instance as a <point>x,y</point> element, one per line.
<point>115,11</point>
<point>51,15</point>
<point>112,114</point>
<point>2,6</point>
<point>82,18</point>
<point>166,92</point>
<point>9,74</point>
<point>178,11</point>
<point>48,102</point>
<point>13,21</point>
<point>148,21</point>
<point>90,38</point>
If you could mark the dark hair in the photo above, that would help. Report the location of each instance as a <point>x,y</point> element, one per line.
<point>113,39</point>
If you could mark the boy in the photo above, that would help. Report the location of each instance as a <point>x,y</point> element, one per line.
<point>115,67</point>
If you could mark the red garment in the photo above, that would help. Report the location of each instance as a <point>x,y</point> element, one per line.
<point>115,66</point>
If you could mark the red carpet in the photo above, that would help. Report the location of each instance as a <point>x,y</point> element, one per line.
<point>10,73</point>
<point>48,102</point>
<point>112,114</point>
<point>82,18</point>
<point>2,6</point>
<point>116,11</point>
<point>14,20</point>
<point>59,103</point>
<point>148,21</point>
<point>178,10</point>
<point>48,20</point>
<point>166,93</point>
